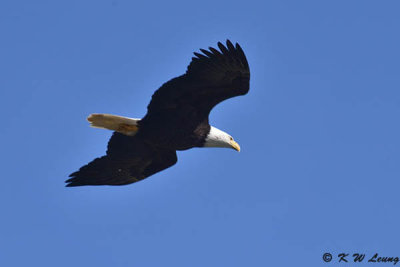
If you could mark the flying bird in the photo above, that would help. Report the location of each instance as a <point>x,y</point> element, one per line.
<point>176,119</point>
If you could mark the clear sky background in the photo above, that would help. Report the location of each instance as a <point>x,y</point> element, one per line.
<point>319,168</point>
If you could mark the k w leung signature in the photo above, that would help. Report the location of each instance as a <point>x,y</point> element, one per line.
<point>360,257</point>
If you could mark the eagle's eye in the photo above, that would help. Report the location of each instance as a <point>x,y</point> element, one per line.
<point>231,138</point>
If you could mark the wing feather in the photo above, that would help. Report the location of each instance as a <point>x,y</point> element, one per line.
<point>211,78</point>
<point>128,160</point>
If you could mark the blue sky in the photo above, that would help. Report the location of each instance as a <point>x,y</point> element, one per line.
<point>319,130</point>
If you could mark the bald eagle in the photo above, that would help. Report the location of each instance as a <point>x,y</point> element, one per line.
<point>176,119</point>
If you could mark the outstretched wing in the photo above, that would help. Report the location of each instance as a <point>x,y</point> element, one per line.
<point>128,160</point>
<point>211,78</point>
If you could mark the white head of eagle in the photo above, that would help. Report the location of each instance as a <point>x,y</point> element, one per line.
<point>218,138</point>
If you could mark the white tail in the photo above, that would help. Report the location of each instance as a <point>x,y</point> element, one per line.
<point>124,125</point>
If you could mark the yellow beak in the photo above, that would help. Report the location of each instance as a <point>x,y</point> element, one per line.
<point>235,146</point>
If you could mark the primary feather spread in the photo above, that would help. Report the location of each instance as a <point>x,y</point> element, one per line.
<point>176,119</point>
